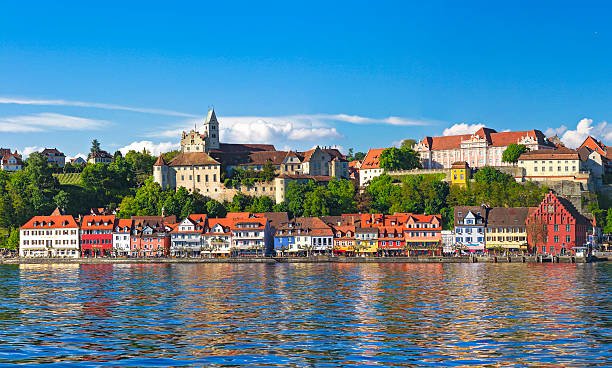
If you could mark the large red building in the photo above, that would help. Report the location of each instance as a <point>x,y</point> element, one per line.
<point>97,235</point>
<point>556,227</point>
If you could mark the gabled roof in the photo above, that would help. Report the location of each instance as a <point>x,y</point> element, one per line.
<point>512,216</point>
<point>98,222</point>
<point>561,153</point>
<point>193,158</point>
<point>50,222</point>
<point>372,159</point>
<point>595,145</point>
<point>55,151</point>
<point>160,161</point>
<point>124,223</point>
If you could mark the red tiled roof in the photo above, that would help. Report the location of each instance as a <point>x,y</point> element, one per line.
<point>561,153</point>
<point>595,145</point>
<point>193,158</point>
<point>372,159</point>
<point>160,161</point>
<point>50,222</point>
<point>98,222</point>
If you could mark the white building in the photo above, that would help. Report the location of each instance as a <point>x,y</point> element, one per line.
<point>54,156</point>
<point>10,161</point>
<point>50,236</point>
<point>370,167</point>
<point>470,223</point>
<point>250,236</point>
<point>186,238</point>
<point>121,237</point>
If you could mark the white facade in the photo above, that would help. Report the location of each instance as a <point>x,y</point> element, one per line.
<point>44,240</point>
<point>11,163</point>
<point>470,233</point>
<point>185,239</point>
<point>366,175</point>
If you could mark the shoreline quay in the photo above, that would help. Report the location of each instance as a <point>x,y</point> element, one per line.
<point>315,259</point>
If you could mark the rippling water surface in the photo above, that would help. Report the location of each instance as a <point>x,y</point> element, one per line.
<point>306,314</point>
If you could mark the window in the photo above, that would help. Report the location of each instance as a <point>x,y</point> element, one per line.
<point>198,178</point>
<point>556,227</point>
<point>535,169</point>
<point>556,238</point>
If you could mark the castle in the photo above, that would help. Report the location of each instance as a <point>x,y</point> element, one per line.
<point>203,161</point>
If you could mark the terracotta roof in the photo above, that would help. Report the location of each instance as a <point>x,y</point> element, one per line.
<point>318,178</point>
<point>55,151</point>
<point>236,147</point>
<point>98,222</point>
<point>372,159</point>
<point>193,158</point>
<point>460,165</point>
<point>315,226</point>
<point>513,216</point>
<point>595,145</point>
<point>263,157</point>
<point>152,221</point>
<point>123,223</point>
<point>17,157</point>
<point>355,164</point>
<point>50,222</point>
<point>160,161</point>
<point>276,218</point>
<point>561,153</point>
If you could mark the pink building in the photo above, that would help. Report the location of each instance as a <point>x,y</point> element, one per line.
<point>483,148</point>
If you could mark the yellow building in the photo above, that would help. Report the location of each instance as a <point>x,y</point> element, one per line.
<point>460,173</point>
<point>506,229</point>
<point>366,241</point>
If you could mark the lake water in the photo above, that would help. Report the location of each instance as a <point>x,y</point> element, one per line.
<point>306,314</point>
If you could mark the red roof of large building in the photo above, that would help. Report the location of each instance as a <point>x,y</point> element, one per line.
<point>372,159</point>
<point>97,222</point>
<point>50,222</point>
<point>561,153</point>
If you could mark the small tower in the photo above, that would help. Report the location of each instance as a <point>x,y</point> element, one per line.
<point>160,172</point>
<point>211,131</point>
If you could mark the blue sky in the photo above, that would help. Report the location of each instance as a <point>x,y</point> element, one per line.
<point>296,74</point>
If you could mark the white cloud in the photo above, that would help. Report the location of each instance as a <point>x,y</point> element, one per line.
<point>573,138</point>
<point>81,155</point>
<point>97,105</point>
<point>555,131</point>
<point>154,148</point>
<point>29,150</point>
<point>462,128</point>
<point>280,129</point>
<point>48,121</point>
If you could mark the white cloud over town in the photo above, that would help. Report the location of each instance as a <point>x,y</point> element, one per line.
<point>280,129</point>
<point>47,122</point>
<point>96,105</point>
<point>462,128</point>
<point>573,138</point>
<point>154,148</point>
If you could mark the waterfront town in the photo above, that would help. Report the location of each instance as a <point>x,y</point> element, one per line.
<point>562,216</point>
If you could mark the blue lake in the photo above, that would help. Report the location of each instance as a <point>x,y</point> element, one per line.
<point>306,314</point>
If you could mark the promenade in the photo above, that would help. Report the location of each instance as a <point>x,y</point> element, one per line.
<point>314,259</point>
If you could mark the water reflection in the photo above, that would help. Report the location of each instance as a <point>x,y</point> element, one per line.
<point>303,314</point>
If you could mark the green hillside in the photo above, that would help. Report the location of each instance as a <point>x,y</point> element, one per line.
<point>69,179</point>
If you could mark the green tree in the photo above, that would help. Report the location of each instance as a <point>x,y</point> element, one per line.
<point>399,159</point>
<point>342,196</point>
<point>141,164</point>
<point>215,209</point>
<point>317,202</point>
<point>512,153</point>
<point>608,228</point>
<point>261,204</point>
<point>62,200</point>
<point>95,146</point>
<point>408,143</point>
<point>384,193</point>
<point>489,174</point>
<point>12,242</point>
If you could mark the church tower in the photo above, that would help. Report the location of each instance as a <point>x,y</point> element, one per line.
<point>211,131</point>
